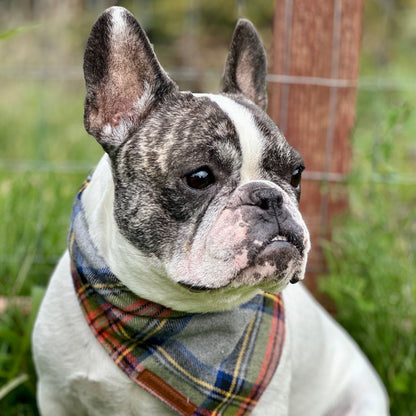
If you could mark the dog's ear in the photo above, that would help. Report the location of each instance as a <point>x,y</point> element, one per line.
<point>246,66</point>
<point>123,77</point>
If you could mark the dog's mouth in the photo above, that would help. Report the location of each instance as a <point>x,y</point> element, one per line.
<point>286,240</point>
<point>279,238</point>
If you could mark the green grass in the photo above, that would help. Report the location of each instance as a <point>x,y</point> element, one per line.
<point>17,375</point>
<point>47,158</point>
<point>44,161</point>
<point>371,258</point>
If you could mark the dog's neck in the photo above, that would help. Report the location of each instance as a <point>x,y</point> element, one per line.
<point>143,275</point>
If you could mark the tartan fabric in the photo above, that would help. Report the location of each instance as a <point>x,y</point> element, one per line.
<point>220,363</point>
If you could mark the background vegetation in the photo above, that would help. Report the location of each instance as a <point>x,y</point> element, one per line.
<point>46,154</point>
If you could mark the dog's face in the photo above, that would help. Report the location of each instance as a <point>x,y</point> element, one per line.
<point>204,183</point>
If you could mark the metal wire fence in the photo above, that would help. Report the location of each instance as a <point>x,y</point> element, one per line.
<point>188,75</point>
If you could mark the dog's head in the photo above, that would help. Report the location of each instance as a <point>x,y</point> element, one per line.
<point>204,183</point>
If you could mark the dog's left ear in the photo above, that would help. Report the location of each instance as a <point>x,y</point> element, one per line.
<point>123,77</point>
<point>246,66</point>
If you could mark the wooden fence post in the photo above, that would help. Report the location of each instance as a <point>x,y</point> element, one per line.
<point>312,94</point>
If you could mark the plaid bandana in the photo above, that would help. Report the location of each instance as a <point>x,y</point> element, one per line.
<point>198,364</point>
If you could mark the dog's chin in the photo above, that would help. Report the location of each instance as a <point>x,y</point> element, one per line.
<point>273,268</point>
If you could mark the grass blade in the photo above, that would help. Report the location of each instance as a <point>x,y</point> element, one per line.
<point>17,30</point>
<point>13,384</point>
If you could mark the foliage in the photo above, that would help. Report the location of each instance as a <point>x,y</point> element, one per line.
<point>372,263</point>
<point>38,182</point>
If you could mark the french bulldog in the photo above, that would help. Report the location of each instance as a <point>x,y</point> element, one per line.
<point>190,226</point>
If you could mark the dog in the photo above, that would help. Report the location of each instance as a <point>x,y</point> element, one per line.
<point>179,292</point>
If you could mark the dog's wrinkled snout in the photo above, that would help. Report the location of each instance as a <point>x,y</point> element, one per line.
<point>266,198</point>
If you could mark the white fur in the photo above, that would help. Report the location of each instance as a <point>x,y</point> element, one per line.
<point>119,24</point>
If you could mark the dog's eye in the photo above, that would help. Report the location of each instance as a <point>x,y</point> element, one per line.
<point>296,177</point>
<point>200,179</point>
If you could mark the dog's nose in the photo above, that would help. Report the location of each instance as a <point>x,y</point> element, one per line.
<point>266,198</point>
